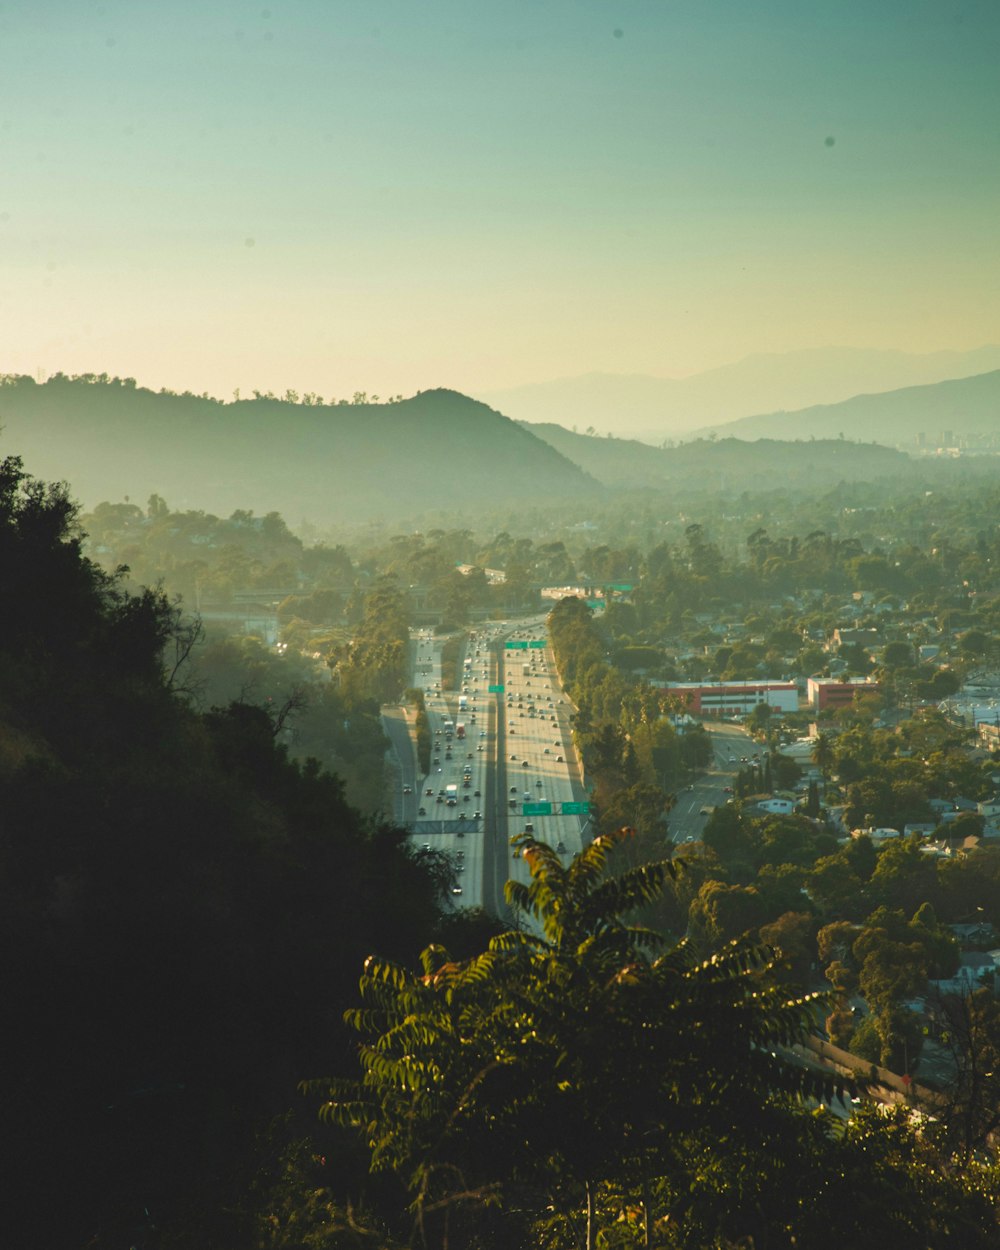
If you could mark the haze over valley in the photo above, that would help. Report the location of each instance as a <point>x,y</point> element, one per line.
<point>500,671</point>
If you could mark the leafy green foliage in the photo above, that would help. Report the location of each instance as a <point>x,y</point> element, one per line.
<point>566,1055</point>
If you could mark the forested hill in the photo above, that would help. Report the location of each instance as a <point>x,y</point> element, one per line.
<point>963,406</point>
<point>728,463</point>
<point>317,462</point>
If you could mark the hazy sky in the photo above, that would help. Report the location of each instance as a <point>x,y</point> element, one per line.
<point>389,195</point>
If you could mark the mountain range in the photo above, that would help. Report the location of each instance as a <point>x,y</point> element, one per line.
<point>653,409</point>
<point>318,463</point>
<point>440,451</point>
<point>726,465</point>
<point>961,406</point>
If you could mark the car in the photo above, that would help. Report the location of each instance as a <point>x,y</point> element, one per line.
<point>456,889</point>
<point>482,733</point>
<point>480,747</point>
<point>469,755</point>
<point>477,815</point>
<point>429,792</point>
<point>546,751</point>
<point>560,760</point>
<point>561,849</point>
<point>440,798</point>
<point>538,783</point>
<point>727,789</point>
<point>437,733</point>
<point>524,763</point>
<point>426,846</point>
<point>477,794</point>
<point>512,803</point>
<point>407,789</point>
<point>529,828</point>
<point>513,789</point>
<point>437,759</point>
<point>421,811</point>
<point>462,816</point>
<point>513,756</point>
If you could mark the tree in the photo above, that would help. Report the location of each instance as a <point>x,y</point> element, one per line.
<point>565,1061</point>
<point>970,1031</point>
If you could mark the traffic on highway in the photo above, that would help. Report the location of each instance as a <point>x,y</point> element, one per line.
<point>502,760</point>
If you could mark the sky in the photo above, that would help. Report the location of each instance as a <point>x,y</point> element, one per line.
<point>391,195</point>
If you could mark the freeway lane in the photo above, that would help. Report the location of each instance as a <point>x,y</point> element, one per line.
<point>538,750</point>
<point>530,720</point>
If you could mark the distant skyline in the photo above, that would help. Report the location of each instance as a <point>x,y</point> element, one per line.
<point>337,195</point>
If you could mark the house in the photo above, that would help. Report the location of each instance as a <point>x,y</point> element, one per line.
<point>975,969</point>
<point>776,807</point>
<point>867,638</point>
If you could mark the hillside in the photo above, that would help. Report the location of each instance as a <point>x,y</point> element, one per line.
<point>963,406</point>
<point>654,408</point>
<point>728,463</point>
<point>320,463</point>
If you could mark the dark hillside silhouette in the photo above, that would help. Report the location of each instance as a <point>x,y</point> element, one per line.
<point>322,463</point>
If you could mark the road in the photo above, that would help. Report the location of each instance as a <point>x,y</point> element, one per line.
<point>529,719</point>
<point>732,748</point>
<point>538,752</point>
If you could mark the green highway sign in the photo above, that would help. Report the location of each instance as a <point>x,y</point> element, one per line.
<point>575,809</point>
<point>537,642</point>
<point>517,644</point>
<point>495,689</point>
<point>538,809</point>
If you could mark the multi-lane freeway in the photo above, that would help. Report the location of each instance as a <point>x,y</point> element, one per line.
<point>503,762</point>
<point>473,799</point>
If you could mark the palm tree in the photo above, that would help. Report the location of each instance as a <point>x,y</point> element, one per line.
<point>822,754</point>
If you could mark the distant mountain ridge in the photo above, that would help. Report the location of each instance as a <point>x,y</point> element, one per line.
<point>654,408</point>
<point>896,418</point>
<point>725,464</point>
<point>438,449</point>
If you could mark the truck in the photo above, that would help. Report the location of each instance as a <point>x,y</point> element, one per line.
<point>463,702</point>
<point>460,730</point>
<point>449,729</point>
<point>526,670</point>
<point>451,795</point>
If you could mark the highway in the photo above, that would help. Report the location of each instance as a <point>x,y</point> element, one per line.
<point>529,719</point>
<point>538,751</point>
<point>517,750</point>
